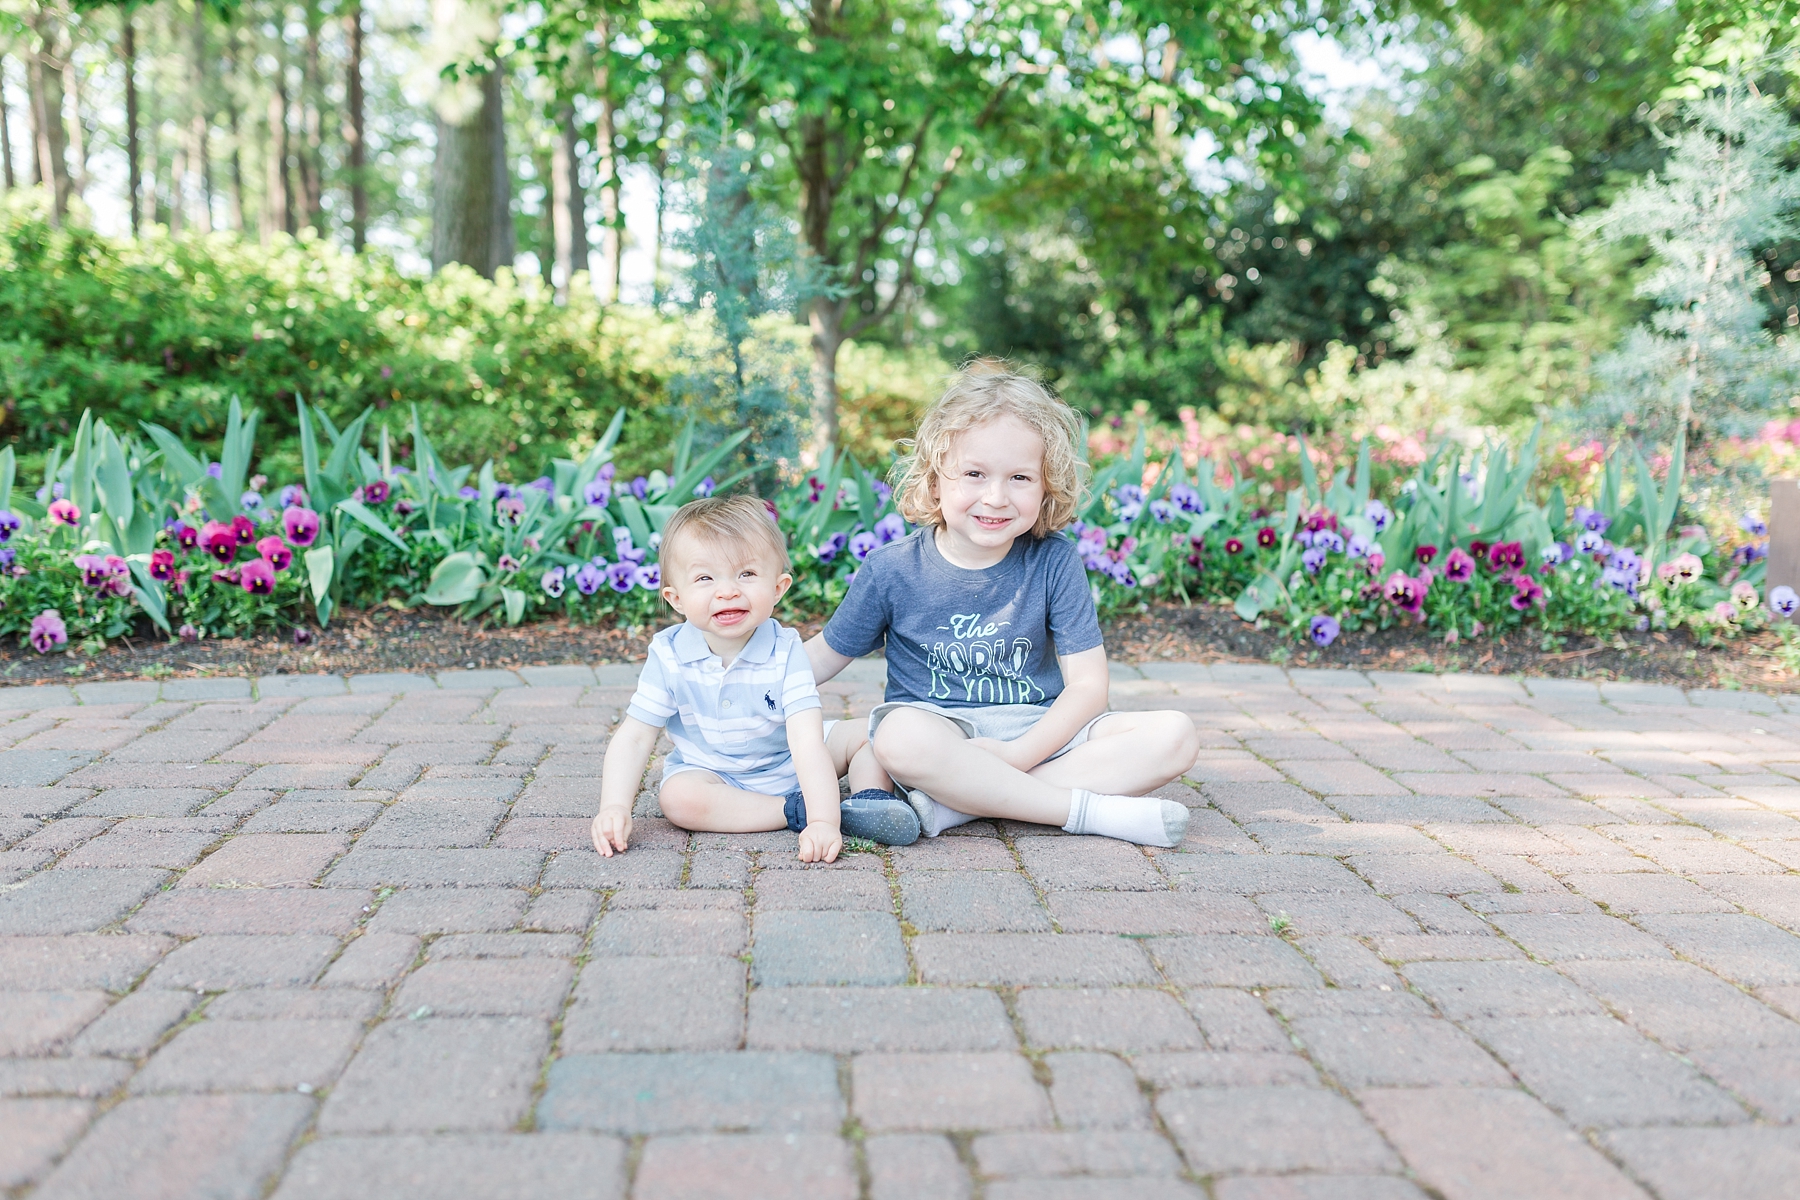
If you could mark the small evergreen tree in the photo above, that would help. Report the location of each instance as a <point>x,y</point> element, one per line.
<point>1706,361</point>
<point>746,276</point>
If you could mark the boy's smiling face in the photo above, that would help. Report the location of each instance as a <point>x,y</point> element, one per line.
<point>991,491</point>
<point>725,589</point>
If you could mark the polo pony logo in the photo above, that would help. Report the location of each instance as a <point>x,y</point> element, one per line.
<point>769,700</point>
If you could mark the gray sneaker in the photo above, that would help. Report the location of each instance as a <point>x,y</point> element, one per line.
<point>879,817</point>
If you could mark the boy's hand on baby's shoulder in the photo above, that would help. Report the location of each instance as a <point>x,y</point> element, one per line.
<point>612,830</point>
<point>820,842</point>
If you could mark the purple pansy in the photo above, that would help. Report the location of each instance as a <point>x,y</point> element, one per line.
<point>47,630</point>
<point>1323,630</point>
<point>552,582</point>
<point>621,576</point>
<point>590,578</point>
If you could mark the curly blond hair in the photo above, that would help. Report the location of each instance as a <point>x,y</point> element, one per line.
<point>987,389</point>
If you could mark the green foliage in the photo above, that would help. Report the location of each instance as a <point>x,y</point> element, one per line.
<point>1706,362</point>
<point>169,330</point>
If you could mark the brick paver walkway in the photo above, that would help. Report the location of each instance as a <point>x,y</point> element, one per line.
<point>348,939</point>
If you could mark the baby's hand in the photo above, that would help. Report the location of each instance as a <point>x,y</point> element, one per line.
<point>820,842</point>
<point>612,829</point>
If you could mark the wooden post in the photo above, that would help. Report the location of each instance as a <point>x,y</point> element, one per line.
<point>1784,534</point>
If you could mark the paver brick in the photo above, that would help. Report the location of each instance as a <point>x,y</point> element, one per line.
<point>1271,1129</point>
<point>74,961</point>
<point>1345,913</point>
<point>135,1024</point>
<point>439,1075</point>
<point>1468,990</point>
<point>75,901</point>
<point>1071,863</point>
<point>251,1056</point>
<point>1234,1020</point>
<point>669,934</point>
<point>790,1167</point>
<point>176,1147</point>
<point>506,945</point>
<point>1122,1019</point>
<point>451,910</point>
<point>1095,1091</point>
<point>1365,1051</point>
<point>876,1019</point>
<point>374,960</point>
<point>750,1091</point>
<point>639,867</point>
<point>37,1131</point>
<point>1224,1069</point>
<point>914,1166</point>
<point>823,891</point>
<point>562,912</point>
<point>220,962</point>
<point>86,1078</point>
<point>658,1004</point>
<point>1095,1152</point>
<point>973,901</point>
<point>1232,960</point>
<point>1599,1072</point>
<point>457,1166</point>
<point>323,817</point>
<point>373,866</point>
<point>1684,1007</point>
<point>128,844</point>
<point>1155,912</point>
<point>1024,959</point>
<point>1742,948</point>
<point>1564,937</point>
<point>1742,1162</point>
<point>807,948</point>
<point>33,1023</point>
<point>1317,1187</point>
<point>488,988</point>
<point>1401,874</point>
<point>1490,1143</point>
<point>268,860</point>
<point>921,1092</point>
<point>1639,892</point>
<point>1250,874</point>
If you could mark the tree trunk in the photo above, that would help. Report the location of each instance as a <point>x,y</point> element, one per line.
<point>6,129</point>
<point>607,166</point>
<point>660,164</point>
<point>826,319</point>
<point>134,179</point>
<point>49,135</point>
<point>312,187</point>
<point>234,122</point>
<point>78,142</point>
<point>199,164</point>
<point>568,207</point>
<point>471,195</point>
<point>278,179</point>
<point>354,129</point>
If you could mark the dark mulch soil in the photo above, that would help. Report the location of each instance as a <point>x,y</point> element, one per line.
<point>386,639</point>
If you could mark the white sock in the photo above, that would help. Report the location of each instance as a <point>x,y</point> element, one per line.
<point>935,817</point>
<point>1145,820</point>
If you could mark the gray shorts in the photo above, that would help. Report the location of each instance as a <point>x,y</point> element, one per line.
<point>1002,722</point>
<point>777,780</point>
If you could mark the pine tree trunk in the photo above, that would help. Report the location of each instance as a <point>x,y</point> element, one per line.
<point>49,135</point>
<point>471,219</point>
<point>312,187</point>
<point>354,128</point>
<point>278,177</point>
<point>567,207</point>
<point>607,166</point>
<point>199,164</point>
<point>234,123</point>
<point>6,129</point>
<point>78,142</point>
<point>826,320</point>
<point>660,164</point>
<point>134,179</point>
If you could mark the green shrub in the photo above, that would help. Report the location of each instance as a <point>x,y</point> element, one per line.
<point>168,330</point>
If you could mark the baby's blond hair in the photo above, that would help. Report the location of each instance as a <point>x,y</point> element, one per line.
<point>985,390</point>
<point>728,520</point>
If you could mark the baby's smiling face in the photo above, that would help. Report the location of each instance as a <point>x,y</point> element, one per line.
<point>726,589</point>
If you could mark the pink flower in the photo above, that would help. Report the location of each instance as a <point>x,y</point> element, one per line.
<point>219,540</point>
<point>47,629</point>
<point>1526,592</point>
<point>64,512</point>
<point>275,552</point>
<point>162,565</point>
<point>302,525</point>
<point>244,528</point>
<point>257,577</point>
<point>1458,566</point>
<point>1405,593</point>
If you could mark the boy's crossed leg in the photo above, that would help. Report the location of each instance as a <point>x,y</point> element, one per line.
<point>1125,755</point>
<point>699,799</point>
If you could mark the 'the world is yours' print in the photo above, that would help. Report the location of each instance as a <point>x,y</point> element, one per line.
<point>980,664</point>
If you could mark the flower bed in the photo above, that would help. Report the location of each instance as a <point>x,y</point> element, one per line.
<point>126,535</point>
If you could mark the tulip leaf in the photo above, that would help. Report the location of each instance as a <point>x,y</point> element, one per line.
<point>515,605</point>
<point>456,580</point>
<point>149,592</point>
<point>349,444</point>
<point>360,511</point>
<point>309,450</point>
<point>8,471</point>
<point>320,562</point>
<point>635,521</point>
<point>81,465</point>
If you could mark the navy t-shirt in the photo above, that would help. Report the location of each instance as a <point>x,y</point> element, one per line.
<point>962,638</point>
